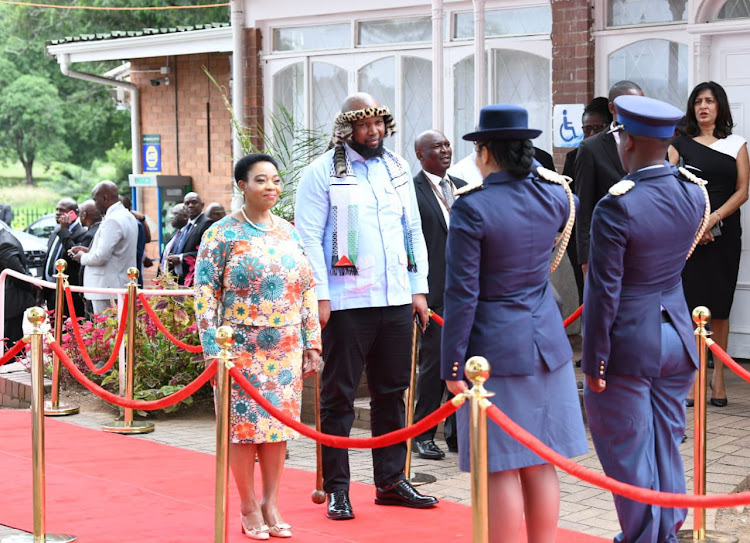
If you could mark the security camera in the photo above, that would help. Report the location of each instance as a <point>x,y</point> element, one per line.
<point>155,82</point>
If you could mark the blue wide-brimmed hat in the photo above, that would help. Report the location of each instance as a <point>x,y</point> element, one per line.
<point>503,121</point>
<point>646,116</point>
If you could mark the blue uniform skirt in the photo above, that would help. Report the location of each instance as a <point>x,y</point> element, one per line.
<point>545,404</point>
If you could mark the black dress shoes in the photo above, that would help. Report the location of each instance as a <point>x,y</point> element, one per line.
<point>339,506</point>
<point>402,493</point>
<point>427,449</point>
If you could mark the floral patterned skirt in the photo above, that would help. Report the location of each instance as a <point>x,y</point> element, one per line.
<point>271,360</point>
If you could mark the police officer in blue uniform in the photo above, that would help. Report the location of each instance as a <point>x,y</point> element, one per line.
<point>499,304</point>
<point>639,353</point>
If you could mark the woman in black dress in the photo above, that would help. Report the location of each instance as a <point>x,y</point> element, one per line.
<point>712,152</point>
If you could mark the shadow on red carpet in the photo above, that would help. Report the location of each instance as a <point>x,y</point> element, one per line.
<point>113,488</point>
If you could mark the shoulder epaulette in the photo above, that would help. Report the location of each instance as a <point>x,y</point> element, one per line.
<point>621,187</point>
<point>469,187</point>
<point>690,176</point>
<point>553,177</point>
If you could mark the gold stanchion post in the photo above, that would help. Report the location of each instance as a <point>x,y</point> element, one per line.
<point>128,425</point>
<point>225,340</point>
<point>477,370</point>
<point>418,478</point>
<point>318,495</point>
<point>36,317</point>
<point>53,408</point>
<point>701,317</point>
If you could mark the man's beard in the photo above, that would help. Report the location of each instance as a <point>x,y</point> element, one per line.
<point>367,152</point>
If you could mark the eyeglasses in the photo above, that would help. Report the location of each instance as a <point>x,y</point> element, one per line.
<point>589,129</point>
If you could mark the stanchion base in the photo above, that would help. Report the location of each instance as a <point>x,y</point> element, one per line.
<point>686,536</point>
<point>135,427</point>
<point>61,410</point>
<point>48,538</point>
<point>419,479</point>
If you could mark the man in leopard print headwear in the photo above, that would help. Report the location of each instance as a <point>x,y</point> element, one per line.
<point>357,213</point>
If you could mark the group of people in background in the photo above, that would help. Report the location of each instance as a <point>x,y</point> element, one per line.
<point>373,248</point>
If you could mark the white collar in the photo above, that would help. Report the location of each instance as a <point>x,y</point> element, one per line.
<point>435,179</point>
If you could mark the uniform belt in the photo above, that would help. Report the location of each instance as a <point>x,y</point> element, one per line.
<point>665,317</point>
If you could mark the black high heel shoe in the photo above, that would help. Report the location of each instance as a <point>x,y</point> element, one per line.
<point>718,402</point>
<point>689,402</point>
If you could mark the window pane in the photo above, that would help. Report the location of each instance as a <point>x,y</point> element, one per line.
<point>463,103</point>
<point>658,66</point>
<point>503,22</point>
<point>289,93</point>
<point>524,79</point>
<point>416,97</point>
<point>329,89</point>
<point>415,29</point>
<point>734,9</point>
<point>379,79</point>
<point>302,38</point>
<point>639,12</point>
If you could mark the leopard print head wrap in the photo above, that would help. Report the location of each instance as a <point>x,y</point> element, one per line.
<point>342,124</point>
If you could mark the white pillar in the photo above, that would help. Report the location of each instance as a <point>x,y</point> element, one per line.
<point>438,83</point>
<point>238,85</point>
<point>480,80</point>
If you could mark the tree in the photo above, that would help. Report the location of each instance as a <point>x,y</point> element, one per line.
<point>31,126</point>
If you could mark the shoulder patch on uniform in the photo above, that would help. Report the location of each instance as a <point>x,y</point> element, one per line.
<point>690,176</point>
<point>469,187</point>
<point>621,187</point>
<point>553,177</point>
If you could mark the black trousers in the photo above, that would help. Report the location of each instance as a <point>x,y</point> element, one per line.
<point>430,387</point>
<point>377,340</point>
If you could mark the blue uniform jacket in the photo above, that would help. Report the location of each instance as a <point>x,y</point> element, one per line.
<point>639,242</point>
<point>498,302</point>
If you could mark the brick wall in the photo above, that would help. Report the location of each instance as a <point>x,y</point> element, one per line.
<point>572,57</point>
<point>197,140</point>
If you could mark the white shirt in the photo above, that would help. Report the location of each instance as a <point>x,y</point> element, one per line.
<point>435,180</point>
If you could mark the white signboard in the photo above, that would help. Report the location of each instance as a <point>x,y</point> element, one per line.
<point>567,125</point>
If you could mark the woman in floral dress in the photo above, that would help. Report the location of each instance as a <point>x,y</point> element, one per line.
<point>252,274</point>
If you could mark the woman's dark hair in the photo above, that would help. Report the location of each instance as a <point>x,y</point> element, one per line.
<point>516,156</point>
<point>246,163</point>
<point>724,123</point>
<point>599,106</point>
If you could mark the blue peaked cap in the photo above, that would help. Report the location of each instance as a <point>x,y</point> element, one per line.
<point>645,116</point>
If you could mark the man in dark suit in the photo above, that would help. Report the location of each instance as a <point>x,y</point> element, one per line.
<point>90,218</point>
<point>597,168</point>
<point>178,219</point>
<point>434,190</point>
<point>18,294</point>
<point>182,259</point>
<point>68,234</point>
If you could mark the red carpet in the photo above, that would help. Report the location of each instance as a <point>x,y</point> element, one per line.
<point>112,488</point>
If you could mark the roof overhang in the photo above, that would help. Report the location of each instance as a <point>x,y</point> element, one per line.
<point>213,40</point>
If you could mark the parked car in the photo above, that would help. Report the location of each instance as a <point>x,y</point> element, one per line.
<point>43,226</point>
<point>34,248</point>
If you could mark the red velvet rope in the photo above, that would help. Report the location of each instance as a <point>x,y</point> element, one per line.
<point>17,348</point>
<point>341,442</point>
<point>79,339</point>
<point>160,326</point>
<point>574,317</point>
<point>643,495</point>
<point>567,322</point>
<point>106,395</point>
<point>728,360</point>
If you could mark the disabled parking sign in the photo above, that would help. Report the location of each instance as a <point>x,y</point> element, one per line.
<point>567,125</point>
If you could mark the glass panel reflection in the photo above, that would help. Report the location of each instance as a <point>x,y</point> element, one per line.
<point>413,29</point>
<point>463,103</point>
<point>303,38</point>
<point>639,12</point>
<point>329,89</point>
<point>504,22</point>
<point>416,97</point>
<point>378,78</point>
<point>658,66</point>
<point>734,9</point>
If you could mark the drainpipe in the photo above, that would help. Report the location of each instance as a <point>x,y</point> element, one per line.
<point>238,86</point>
<point>135,117</point>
